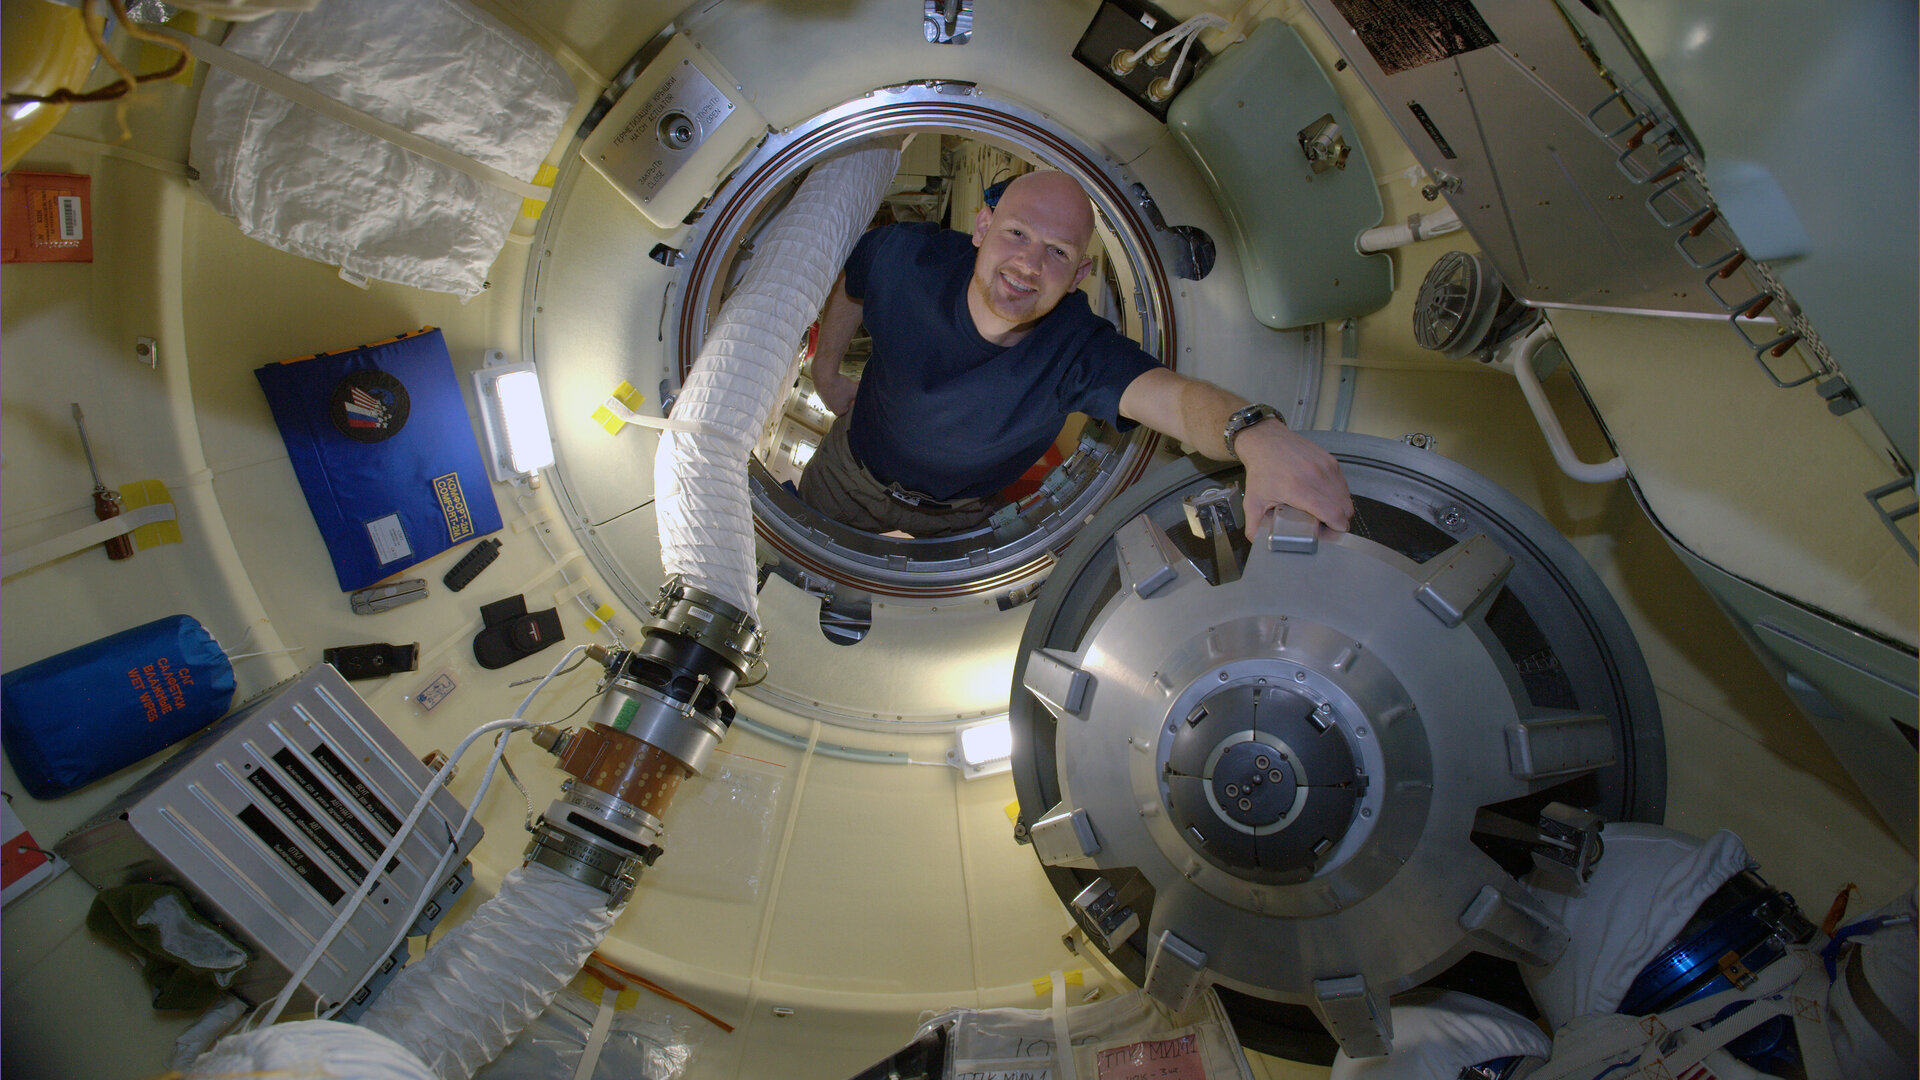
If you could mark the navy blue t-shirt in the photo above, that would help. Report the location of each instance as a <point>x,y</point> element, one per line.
<point>945,412</point>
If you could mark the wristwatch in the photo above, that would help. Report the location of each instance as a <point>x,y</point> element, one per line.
<point>1246,418</point>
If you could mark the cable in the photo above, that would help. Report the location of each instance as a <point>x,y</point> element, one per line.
<point>577,708</point>
<point>540,531</point>
<point>401,835</point>
<point>1190,28</point>
<point>486,780</point>
<point>535,678</point>
<point>372,879</point>
<point>128,80</point>
<point>1173,77</point>
<point>596,960</point>
<point>508,765</point>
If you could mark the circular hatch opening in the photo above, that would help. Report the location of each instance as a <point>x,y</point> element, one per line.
<point>962,141</point>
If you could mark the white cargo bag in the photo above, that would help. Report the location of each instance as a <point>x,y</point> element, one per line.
<point>316,187</point>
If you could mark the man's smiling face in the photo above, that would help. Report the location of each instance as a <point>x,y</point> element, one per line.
<point>1032,249</point>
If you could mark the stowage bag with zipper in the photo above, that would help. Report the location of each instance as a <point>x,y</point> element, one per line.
<point>71,719</point>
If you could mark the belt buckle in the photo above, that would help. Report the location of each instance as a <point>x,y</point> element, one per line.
<point>914,499</point>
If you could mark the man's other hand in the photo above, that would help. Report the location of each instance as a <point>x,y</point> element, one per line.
<point>1285,467</point>
<point>836,391</point>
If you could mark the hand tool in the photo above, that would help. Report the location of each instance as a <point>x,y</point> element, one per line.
<point>106,502</point>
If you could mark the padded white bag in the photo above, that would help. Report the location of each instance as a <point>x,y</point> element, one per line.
<point>319,188</point>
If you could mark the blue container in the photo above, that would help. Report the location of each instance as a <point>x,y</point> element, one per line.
<point>71,719</point>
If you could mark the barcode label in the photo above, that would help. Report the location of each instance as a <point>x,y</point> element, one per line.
<point>71,227</point>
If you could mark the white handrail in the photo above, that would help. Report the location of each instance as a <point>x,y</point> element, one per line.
<point>1543,414</point>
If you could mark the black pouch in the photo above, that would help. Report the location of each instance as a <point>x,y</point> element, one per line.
<point>513,633</point>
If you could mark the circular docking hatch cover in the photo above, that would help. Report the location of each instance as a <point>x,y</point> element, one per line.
<point>1310,771</point>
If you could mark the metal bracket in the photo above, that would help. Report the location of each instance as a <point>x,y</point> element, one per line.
<point>1105,919</point>
<point>1514,926</point>
<point>948,22</point>
<point>1461,577</point>
<point>1148,560</point>
<point>1355,1013</point>
<point>1892,518</point>
<point>1210,515</point>
<point>1559,746</point>
<point>1065,838</point>
<point>1175,972</point>
<point>1059,685</point>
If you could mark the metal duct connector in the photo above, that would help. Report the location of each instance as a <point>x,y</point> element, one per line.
<point>667,705</point>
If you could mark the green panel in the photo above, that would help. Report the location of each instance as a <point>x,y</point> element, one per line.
<point>1296,230</point>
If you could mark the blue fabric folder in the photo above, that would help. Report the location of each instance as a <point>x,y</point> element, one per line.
<point>380,439</point>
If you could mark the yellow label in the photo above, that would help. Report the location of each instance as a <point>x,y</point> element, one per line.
<point>453,503</point>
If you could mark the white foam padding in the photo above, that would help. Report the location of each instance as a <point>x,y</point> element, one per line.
<point>1649,882</point>
<point>479,986</point>
<point>745,369</point>
<point>309,1050</point>
<point>1435,1039</point>
<point>310,185</point>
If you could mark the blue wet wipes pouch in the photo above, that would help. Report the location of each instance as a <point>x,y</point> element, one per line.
<point>71,719</point>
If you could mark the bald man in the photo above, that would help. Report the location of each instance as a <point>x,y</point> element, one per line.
<point>981,349</point>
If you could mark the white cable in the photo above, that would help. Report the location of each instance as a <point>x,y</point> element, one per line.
<point>1206,20</point>
<point>439,872</point>
<point>579,598</point>
<point>400,837</point>
<point>1173,77</point>
<point>440,868</point>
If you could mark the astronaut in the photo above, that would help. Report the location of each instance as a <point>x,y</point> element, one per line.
<point>979,357</point>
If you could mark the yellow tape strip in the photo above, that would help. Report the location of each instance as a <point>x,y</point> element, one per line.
<point>591,988</point>
<point>626,395</point>
<point>600,617</point>
<point>1043,985</point>
<point>530,208</point>
<point>150,493</point>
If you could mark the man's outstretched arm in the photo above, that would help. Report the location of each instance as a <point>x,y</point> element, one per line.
<point>838,321</point>
<point>1283,466</point>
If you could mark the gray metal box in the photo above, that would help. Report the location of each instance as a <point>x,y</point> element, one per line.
<point>271,820</point>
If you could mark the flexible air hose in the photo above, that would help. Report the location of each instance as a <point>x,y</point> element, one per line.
<point>308,1050</point>
<point>483,983</point>
<point>704,509</point>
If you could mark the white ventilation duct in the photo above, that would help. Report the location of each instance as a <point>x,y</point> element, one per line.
<point>746,366</point>
<point>483,983</point>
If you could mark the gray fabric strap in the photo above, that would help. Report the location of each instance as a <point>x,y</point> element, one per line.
<point>234,64</point>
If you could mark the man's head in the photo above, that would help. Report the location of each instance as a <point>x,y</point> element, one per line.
<point>1033,248</point>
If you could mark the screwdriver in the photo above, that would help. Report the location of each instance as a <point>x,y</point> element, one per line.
<point>106,503</point>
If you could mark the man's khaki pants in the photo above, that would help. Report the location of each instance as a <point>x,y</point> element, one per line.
<point>837,485</point>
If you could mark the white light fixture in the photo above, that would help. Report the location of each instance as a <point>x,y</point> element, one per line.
<point>816,402</point>
<point>984,749</point>
<point>513,417</point>
<point>802,453</point>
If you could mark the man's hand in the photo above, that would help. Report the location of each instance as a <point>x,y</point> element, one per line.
<point>1285,467</point>
<point>836,390</point>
